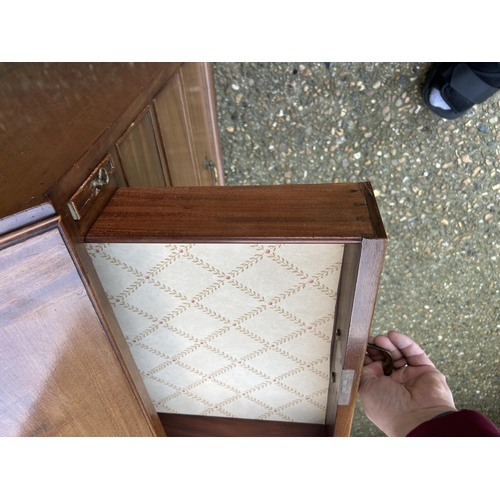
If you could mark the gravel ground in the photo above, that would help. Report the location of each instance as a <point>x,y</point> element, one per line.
<point>437,184</point>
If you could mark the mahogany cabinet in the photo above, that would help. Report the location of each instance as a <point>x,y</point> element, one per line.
<point>260,330</point>
<point>62,127</point>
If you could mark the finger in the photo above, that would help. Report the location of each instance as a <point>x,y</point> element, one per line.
<point>414,354</point>
<point>386,343</point>
<point>373,359</point>
<point>375,354</point>
<point>371,372</point>
<point>368,360</point>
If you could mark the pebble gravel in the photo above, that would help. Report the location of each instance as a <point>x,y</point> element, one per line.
<point>437,184</point>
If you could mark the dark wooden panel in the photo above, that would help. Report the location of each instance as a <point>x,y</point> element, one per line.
<point>139,153</point>
<point>175,130</point>
<point>54,114</point>
<point>59,375</point>
<point>197,81</point>
<point>200,426</point>
<point>306,212</point>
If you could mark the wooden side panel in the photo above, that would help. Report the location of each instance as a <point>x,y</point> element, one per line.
<point>196,426</point>
<point>175,130</point>
<point>357,296</point>
<point>343,315</point>
<point>300,213</point>
<point>197,79</point>
<point>104,310</point>
<point>59,375</point>
<point>139,153</point>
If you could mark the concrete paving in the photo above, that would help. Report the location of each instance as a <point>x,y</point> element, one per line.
<point>437,184</point>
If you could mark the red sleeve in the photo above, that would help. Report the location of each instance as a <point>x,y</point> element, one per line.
<point>463,423</point>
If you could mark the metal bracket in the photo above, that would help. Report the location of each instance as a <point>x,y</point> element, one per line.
<point>346,383</point>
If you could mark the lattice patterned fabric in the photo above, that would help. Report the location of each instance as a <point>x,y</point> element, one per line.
<point>232,330</point>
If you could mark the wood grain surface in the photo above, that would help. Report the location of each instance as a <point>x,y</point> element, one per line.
<point>175,126</point>
<point>59,375</point>
<point>305,212</point>
<point>357,296</point>
<point>55,115</point>
<point>139,153</point>
<point>26,218</point>
<point>200,426</point>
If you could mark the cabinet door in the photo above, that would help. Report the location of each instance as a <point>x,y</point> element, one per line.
<point>59,374</point>
<point>245,303</point>
<point>140,154</point>
<point>186,112</point>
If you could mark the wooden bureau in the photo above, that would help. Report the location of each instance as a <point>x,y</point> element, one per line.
<point>96,153</point>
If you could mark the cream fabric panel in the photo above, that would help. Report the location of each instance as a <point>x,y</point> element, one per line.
<point>232,330</point>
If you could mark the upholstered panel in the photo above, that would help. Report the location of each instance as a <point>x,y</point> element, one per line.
<point>234,330</point>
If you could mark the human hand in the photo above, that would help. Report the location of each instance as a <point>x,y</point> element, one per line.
<point>414,393</point>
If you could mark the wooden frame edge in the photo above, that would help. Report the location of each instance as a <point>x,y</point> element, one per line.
<point>354,318</point>
<point>209,73</point>
<point>112,329</point>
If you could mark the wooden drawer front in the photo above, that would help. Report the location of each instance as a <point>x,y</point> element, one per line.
<point>140,155</point>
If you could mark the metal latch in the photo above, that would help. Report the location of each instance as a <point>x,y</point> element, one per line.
<point>210,165</point>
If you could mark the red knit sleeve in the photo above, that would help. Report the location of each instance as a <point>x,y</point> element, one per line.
<point>463,423</point>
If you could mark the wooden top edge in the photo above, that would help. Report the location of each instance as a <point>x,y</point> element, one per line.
<point>339,186</point>
<point>26,218</point>
<point>222,240</point>
<point>343,212</point>
<point>25,232</point>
